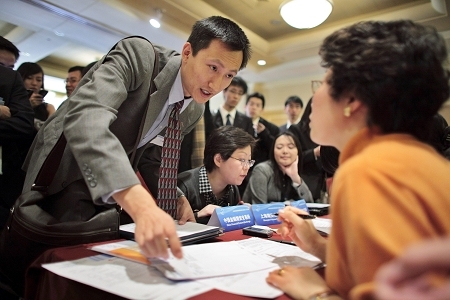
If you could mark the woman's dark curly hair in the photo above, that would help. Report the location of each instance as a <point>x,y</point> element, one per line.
<point>395,68</point>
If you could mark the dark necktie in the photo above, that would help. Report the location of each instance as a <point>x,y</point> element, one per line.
<point>228,120</point>
<point>167,184</point>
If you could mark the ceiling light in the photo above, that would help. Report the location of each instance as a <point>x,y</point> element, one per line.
<point>155,23</point>
<point>261,62</point>
<point>304,14</point>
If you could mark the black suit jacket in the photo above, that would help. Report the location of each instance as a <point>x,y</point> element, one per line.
<point>16,135</point>
<point>213,121</point>
<point>312,171</point>
<point>265,141</point>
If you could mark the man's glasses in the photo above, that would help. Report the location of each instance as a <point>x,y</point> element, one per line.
<point>233,91</point>
<point>71,81</point>
<point>315,84</point>
<point>245,162</point>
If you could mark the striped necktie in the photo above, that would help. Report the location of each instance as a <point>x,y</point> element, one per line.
<point>167,183</point>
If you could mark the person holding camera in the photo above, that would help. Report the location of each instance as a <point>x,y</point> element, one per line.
<point>33,79</point>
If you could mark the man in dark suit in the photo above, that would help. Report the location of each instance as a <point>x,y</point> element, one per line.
<point>264,131</point>
<point>102,117</point>
<point>312,170</point>
<point>16,135</point>
<point>9,54</point>
<point>293,107</point>
<point>227,113</point>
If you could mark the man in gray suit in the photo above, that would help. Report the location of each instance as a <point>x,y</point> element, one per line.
<point>102,116</point>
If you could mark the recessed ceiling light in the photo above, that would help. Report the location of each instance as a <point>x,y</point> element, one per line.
<point>155,23</point>
<point>261,62</point>
<point>58,33</point>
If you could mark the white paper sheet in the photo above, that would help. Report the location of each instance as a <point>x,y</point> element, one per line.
<point>280,254</point>
<point>249,284</point>
<point>212,260</point>
<point>125,278</point>
<point>322,224</point>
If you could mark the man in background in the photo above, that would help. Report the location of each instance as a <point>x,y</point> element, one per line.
<point>293,108</point>
<point>73,77</point>
<point>265,131</point>
<point>227,113</point>
<point>16,135</point>
<point>9,54</point>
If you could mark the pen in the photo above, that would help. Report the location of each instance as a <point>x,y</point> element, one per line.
<point>305,217</point>
<point>283,242</point>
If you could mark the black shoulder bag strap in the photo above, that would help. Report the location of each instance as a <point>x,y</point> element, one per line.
<point>51,163</point>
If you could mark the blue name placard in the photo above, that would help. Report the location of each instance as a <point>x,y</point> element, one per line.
<point>301,204</point>
<point>232,217</point>
<point>264,213</point>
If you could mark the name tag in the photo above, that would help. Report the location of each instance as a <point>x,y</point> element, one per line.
<point>264,213</point>
<point>301,204</point>
<point>232,217</point>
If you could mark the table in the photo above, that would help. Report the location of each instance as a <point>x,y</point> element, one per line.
<point>45,285</point>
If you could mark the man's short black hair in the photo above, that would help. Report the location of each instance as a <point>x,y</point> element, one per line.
<point>239,82</point>
<point>8,46</point>
<point>225,30</point>
<point>294,99</point>
<point>256,95</point>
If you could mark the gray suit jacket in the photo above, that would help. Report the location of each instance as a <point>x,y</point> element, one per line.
<point>101,119</point>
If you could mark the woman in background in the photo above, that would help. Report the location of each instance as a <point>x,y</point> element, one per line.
<point>278,179</point>
<point>384,83</point>
<point>33,79</point>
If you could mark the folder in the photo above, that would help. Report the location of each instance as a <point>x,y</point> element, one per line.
<point>188,233</point>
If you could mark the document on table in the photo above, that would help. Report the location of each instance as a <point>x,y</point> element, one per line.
<point>250,260</point>
<point>211,260</point>
<point>280,254</point>
<point>125,278</point>
<point>199,261</point>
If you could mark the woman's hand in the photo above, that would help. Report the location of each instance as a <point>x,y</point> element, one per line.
<point>292,171</point>
<point>298,283</point>
<point>207,210</point>
<point>36,100</point>
<point>301,231</point>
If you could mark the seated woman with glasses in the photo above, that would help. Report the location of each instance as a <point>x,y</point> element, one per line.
<point>227,159</point>
<point>278,179</point>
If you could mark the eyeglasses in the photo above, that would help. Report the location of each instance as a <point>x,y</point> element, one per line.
<point>233,91</point>
<point>315,84</point>
<point>245,162</point>
<point>71,81</point>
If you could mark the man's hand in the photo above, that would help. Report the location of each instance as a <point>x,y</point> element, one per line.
<point>260,128</point>
<point>5,113</point>
<point>154,227</point>
<point>184,211</point>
